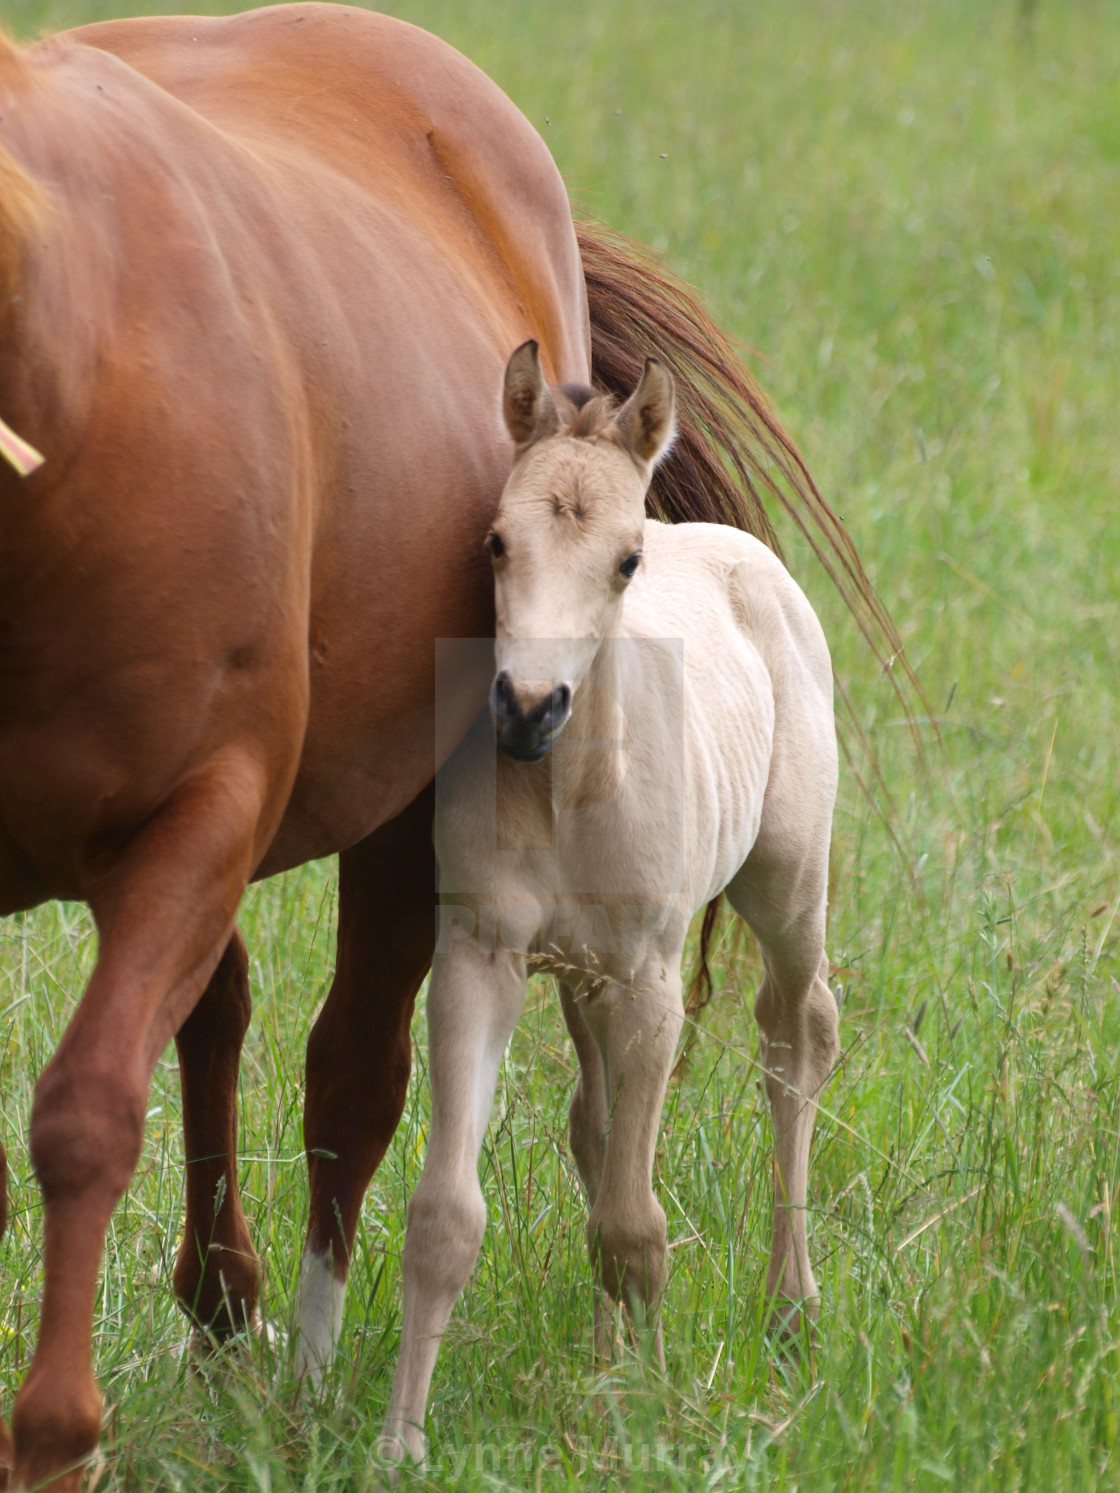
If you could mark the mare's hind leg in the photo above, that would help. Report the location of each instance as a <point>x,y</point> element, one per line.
<point>217,1274</point>
<point>359,1054</point>
<point>636,1031</point>
<point>785,906</point>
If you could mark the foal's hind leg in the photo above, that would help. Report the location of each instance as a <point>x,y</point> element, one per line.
<point>359,1054</point>
<point>217,1274</point>
<point>796,1013</point>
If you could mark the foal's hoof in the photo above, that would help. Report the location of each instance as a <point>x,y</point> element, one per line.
<point>792,1327</point>
<point>391,1456</point>
<point>397,1450</point>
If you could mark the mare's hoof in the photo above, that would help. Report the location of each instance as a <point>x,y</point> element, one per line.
<point>210,1354</point>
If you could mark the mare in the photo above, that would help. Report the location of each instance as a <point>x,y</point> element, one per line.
<point>665,733</point>
<point>259,278</point>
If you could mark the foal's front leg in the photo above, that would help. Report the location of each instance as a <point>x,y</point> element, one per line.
<point>587,1136</point>
<point>636,1030</point>
<point>474,1001</point>
<point>587,1116</point>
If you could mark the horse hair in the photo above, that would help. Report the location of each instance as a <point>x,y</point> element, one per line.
<point>21,201</point>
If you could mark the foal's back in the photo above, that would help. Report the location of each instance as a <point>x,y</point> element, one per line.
<point>755,705</point>
<point>757,726</point>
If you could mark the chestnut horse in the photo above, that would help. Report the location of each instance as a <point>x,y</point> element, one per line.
<point>259,277</point>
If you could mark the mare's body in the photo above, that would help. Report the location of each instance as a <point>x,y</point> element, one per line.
<point>254,325</point>
<point>287,290</point>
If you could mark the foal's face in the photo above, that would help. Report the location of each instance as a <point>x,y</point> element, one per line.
<point>566,542</point>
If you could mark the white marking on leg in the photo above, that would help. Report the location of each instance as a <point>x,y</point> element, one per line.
<point>321,1295</point>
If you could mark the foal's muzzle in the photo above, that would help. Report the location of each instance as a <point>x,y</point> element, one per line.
<point>528,735</point>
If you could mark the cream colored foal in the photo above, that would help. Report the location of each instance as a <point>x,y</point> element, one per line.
<point>662,708</point>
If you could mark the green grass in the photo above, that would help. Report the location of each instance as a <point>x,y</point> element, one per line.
<point>911,213</point>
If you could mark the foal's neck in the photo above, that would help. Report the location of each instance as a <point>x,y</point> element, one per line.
<point>592,754</point>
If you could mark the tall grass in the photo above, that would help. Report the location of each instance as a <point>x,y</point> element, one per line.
<point>911,214</point>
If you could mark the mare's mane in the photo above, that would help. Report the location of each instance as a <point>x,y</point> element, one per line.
<point>21,201</point>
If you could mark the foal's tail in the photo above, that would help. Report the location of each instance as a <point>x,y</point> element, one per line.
<point>700,989</point>
<point>731,451</point>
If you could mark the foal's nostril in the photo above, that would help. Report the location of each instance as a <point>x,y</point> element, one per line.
<point>503,702</point>
<point>560,704</point>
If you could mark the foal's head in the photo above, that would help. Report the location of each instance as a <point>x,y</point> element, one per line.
<point>567,538</point>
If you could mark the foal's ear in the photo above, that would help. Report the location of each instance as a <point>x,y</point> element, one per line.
<point>527,405</point>
<point>647,421</point>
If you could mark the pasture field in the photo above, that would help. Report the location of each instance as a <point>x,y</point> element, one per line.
<point>911,213</point>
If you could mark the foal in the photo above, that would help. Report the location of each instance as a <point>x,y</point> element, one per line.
<point>663,711</point>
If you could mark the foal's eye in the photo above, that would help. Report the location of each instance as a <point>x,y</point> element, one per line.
<point>495,546</point>
<point>628,567</point>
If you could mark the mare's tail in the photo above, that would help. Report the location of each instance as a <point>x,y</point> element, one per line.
<point>731,452</point>
<point>730,455</point>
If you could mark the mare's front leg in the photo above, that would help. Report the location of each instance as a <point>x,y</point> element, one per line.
<point>636,1030</point>
<point>360,1053</point>
<point>474,1001</point>
<point>164,913</point>
<point>217,1273</point>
